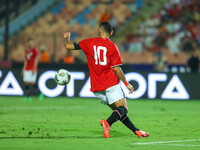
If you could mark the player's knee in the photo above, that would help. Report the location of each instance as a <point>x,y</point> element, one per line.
<point>122,110</point>
<point>27,83</point>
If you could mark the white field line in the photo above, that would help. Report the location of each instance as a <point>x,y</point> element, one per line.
<point>182,145</point>
<point>166,142</point>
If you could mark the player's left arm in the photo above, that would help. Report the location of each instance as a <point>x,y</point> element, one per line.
<point>36,62</point>
<point>68,44</point>
<point>119,73</point>
<point>35,65</point>
<point>115,62</point>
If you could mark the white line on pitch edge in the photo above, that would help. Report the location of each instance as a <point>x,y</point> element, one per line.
<point>182,145</point>
<point>164,142</point>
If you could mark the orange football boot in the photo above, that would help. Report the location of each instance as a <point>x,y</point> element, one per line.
<point>141,133</point>
<point>106,128</point>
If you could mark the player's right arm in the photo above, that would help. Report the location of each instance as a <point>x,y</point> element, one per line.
<point>25,63</point>
<point>68,44</point>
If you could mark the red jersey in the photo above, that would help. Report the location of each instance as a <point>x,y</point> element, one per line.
<point>30,57</point>
<point>102,55</point>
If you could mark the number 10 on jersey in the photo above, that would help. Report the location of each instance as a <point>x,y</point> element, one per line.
<point>97,52</point>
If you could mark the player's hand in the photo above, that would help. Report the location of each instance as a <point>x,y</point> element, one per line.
<point>131,88</point>
<point>33,71</point>
<point>66,34</point>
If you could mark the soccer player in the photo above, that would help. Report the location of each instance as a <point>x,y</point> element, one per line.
<point>104,62</point>
<point>30,69</point>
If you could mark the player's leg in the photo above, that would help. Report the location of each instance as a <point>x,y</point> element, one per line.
<point>117,102</point>
<point>26,79</point>
<point>103,122</point>
<point>119,111</point>
<point>115,99</point>
<point>27,91</point>
<point>35,86</point>
<point>128,123</point>
<point>125,119</point>
<point>37,91</point>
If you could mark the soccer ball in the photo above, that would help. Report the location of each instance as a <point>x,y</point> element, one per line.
<point>62,77</point>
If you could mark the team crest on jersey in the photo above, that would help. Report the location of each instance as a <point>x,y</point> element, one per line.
<point>28,55</point>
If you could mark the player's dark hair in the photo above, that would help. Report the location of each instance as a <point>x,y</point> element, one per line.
<point>106,26</point>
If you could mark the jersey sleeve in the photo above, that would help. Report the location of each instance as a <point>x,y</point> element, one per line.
<point>84,44</point>
<point>116,57</point>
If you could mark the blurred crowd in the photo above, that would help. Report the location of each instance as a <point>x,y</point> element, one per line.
<point>80,17</point>
<point>171,36</point>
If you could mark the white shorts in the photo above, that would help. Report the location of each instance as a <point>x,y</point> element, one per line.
<point>29,76</point>
<point>111,94</point>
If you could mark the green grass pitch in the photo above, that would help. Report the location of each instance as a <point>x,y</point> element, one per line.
<point>73,124</point>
